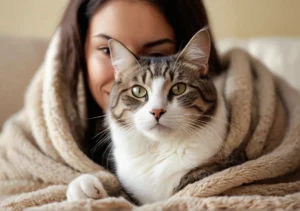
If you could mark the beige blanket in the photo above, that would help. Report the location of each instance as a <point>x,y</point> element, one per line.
<point>40,146</point>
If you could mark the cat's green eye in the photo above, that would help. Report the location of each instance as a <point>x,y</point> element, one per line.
<point>139,91</point>
<point>178,89</point>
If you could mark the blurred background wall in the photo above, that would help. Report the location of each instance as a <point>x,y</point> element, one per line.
<point>229,18</point>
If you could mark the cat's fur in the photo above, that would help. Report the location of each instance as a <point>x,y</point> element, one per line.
<point>152,158</point>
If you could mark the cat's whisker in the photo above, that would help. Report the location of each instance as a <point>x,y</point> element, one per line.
<point>107,158</point>
<point>101,138</point>
<point>231,125</point>
<point>196,133</point>
<point>128,127</point>
<point>205,127</point>
<point>128,131</point>
<point>104,153</point>
<point>127,124</point>
<point>218,119</point>
<point>182,126</point>
<point>96,149</point>
<point>104,140</point>
<point>97,117</point>
<point>103,131</point>
<point>107,148</point>
<point>214,131</point>
<point>190,130</point>
<point>194,122</point>
<point>100,143</point>
<point>190,125</point>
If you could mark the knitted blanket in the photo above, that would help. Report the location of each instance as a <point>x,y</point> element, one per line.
<point>40,150</point>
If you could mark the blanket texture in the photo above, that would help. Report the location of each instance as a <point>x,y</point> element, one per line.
<point>40,150</point>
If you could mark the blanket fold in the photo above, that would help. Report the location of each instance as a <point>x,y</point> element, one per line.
<point>40,147</point>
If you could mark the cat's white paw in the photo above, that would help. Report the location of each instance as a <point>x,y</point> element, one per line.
<point>86,186</point>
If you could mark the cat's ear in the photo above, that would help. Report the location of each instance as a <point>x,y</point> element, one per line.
<point>197,50</point>
<point>122,59</point>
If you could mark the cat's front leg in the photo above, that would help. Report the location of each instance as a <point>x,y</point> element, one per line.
<point>86,186</point>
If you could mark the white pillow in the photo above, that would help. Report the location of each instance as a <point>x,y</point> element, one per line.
<point>281,55</point>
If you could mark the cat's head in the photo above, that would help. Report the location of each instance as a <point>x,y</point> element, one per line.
<point>163,97</point>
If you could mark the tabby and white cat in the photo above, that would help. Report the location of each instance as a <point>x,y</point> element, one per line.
<point>166,117</point>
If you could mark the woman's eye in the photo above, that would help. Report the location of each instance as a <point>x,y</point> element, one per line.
<point>178,89</point>
<point>105,50</point>
<point>139,91</point>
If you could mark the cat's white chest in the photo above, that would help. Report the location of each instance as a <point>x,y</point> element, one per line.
<point>152,176</point>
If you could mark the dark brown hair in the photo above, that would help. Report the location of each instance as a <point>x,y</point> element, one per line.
<point>185,16</point>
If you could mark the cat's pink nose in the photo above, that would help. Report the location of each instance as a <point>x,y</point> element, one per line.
<point>157,113</point>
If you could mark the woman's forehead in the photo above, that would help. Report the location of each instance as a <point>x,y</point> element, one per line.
<point>130,21</point>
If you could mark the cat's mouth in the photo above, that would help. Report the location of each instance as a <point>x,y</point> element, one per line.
<point>161,128</point>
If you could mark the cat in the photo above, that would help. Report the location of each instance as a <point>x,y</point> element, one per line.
<point>166,119</point>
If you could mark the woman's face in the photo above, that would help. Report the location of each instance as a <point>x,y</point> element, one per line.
<point>141,27</point>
